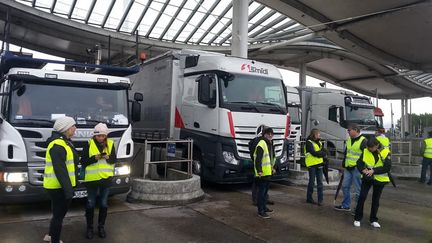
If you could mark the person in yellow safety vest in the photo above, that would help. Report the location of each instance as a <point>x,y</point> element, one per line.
<point>384,141</point>
<point>99,157</point>
<point>426,151</point>
<point>314,160</point>
<point>264,160</point>
<point>59,178</point>
<point>374,169</point>
<point>354,147</point>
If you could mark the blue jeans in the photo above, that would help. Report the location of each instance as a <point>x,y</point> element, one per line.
<point>92,193</point>
<point>263,187</point>
<point>315,172</point>
<point>350,177</point>
<point>426,162</point>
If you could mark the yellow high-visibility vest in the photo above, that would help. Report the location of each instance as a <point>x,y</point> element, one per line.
<point>385,142</point>
<point>428,150</point>
<point>353,152</point>
<point>369,160</point>
<point>50,180</point>
<point>311,160</point>
<point>266,163</point>
<point>101,169</point>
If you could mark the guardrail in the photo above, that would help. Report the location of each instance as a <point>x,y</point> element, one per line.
<point>169,154</point>
<point>401,148</point>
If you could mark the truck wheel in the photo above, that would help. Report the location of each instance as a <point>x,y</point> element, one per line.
<point>197,163</point>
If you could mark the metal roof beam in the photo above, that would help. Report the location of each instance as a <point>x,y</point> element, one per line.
<point>125,14</point>
<point>137,24</point>
<point>265,28</point>
<point>187,20</point>
<point>157,19</point>
<point>276,30</point>
<point>108,13</point>
<point>261,20</point>
<point>33,3</point>
<point>202,20</point>
<point>90,11</point>
<point>221,15</point>
<point>72,8</point>
<point>173,18</point>
<point>53,6</point>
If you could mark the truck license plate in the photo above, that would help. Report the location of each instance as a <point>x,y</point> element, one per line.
<point>80,194</point>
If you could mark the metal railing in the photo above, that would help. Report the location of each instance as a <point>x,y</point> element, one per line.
<point>169,155</point>
<point>399,149</point>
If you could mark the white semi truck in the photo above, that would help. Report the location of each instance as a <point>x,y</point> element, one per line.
<point>294,109</point>
<point>218,101</point>
<point>32,98</point>
<point>332,110</point>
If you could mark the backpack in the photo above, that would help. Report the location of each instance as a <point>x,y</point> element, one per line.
<point>252,145</point>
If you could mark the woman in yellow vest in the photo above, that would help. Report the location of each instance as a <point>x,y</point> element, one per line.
<point>59,175</point>
<point>426,151</point>
<point>314,160</point>
<point>374,169</point>
<point>98,159</point>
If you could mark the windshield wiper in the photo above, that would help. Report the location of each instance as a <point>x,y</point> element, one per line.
<point>251,106</point>
<point>274,105</point>
<point>82,119</point>
<point>35,121</point>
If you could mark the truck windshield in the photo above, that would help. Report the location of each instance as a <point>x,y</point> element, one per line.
<point>262,94</point>
<point>360,115</point>
<point>379,121</point>
<point>294,112</point>
<point>38,105</point>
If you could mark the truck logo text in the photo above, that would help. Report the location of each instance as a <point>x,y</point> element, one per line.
<point>253,69</point>
<point>83,134</point>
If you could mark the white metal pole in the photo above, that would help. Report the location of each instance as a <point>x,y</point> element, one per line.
<point>239,46</point>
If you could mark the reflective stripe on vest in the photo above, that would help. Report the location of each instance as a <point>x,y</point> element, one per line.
<point>101,169</point>
<point>369,160</point>
<point>385,142</point>
<point>50,180</point>
<point>266,163</point>
<point>311,160</point>
<point>353,152</point>
<point>428,149</point>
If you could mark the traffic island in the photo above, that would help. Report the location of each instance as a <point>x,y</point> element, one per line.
<point>176,189</point>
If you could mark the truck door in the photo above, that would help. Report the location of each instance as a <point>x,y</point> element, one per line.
<point>206,117</point>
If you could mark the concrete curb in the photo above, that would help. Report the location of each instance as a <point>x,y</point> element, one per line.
<point>166,192</point>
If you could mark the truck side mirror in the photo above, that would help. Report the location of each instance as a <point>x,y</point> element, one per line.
<point>136,111</point>
<point>206,95</point>
<point>138,96</point>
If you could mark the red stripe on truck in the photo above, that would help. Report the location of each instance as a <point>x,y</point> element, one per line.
<point>178,121</point>
<point>231,124</point>
<point>287,126</point>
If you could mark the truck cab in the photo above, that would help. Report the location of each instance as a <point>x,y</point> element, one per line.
<point>31,100</point>
<point>294,109</point>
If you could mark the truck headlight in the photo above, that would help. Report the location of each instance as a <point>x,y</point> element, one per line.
<point>283,159</point>
<point>122,170</point>
<point>229,158</point>
<point>15,177</point>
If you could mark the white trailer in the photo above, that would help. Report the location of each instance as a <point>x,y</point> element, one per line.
<point>332,110</point>
<point>218,101</point>
<point>31,100</point>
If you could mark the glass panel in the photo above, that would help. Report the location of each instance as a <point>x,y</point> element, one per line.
<point>133,16</point>
<point>81,9</point>
<point>116,14</point>
<point>99,12</point>
<point>63,7</point>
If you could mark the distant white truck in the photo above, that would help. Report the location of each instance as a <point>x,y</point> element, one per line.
<point>32,98</point>
<point>219,101</point>
<point>294,109</point>
<point>332,110</point>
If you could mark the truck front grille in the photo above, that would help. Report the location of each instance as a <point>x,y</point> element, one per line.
<point>243,134</point>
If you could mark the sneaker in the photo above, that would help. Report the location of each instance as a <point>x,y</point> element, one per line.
<point>268,210</point>
<point>375,225</point>
<point>47,238</point>
<point>264,215</point>
<point>356,223</point>
<point>340,208</point>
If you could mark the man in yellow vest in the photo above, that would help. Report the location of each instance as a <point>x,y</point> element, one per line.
<point>355,144</point>
<point>264,158</point>
<point>426,151</point>
<point>59,176</point>
<point>374,168</point>
<point>98,159</point>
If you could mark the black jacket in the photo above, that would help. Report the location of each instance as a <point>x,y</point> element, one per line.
<point>58,157</point>
<point>86,160</point>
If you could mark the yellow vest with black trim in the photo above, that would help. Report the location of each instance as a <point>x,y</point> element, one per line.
<point>428,149</point>
<point>50,180</point>
<point>353,152</point>
<point>311,160</point>
<point>266,162</point>
<point>101,169</point>
<point>369,160</point>
<point>385,142</point>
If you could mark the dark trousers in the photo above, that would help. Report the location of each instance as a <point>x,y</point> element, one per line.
<point>92,192</point>
<point>59,208</point>
<point>263,187</point>
<point>376,194</point>
<point>255,192</point>
<point>315,172</point>
<point>426,162</point>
